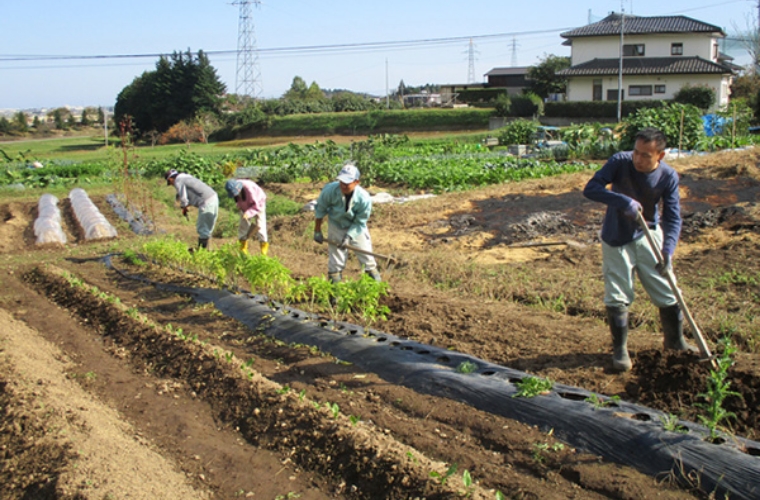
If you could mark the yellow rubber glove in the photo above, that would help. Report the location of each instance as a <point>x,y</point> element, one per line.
<point>243,246</point>
<point>264,248</point>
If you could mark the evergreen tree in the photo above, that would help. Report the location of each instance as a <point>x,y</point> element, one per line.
<point>181,86</point>
<point>84,120</point>
<point>20,123</point>
<point>58,119</point>
<point>5,125</point>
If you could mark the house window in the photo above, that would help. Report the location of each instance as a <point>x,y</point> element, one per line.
<point>612,94</point>
<point>659,89</point>
<point>676,49</point>
<point>633,50</point>
<point>715,52</point>
<point>639,90</point>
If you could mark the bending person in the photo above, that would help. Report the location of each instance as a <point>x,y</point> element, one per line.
<point>196,193</point>
<point>252,203</point>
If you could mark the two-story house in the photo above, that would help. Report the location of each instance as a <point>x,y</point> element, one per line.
<point>659,55</point>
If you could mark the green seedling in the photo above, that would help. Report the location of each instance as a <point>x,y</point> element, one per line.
<point>670,423</point>
<point>289,495</point>
<point>354,419</point>
<point>302,394</point>
<point>131,258</point>
<point>532,386</point>
<point>540,448</point>
<point>718,389</point>
<point>283,390</point>
<point>467,480</point>
<point>442,478</point>
<point>598,402</point>
<point>466,367</point>
<point>500,495</point>
<point>334,409</point>
<point>411,457</point>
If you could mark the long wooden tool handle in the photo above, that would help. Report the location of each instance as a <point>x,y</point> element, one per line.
<point>365,252</point>
<point>704,350</point>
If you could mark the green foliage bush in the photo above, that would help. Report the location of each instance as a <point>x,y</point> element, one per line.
<point>526,105</point>
<point>668,120</point>
<point>52,175</point>
<point>590,141</point>
<point>700,96</point>
<point>503,105</point>
<point>207,169</point>
<point>518,132</point>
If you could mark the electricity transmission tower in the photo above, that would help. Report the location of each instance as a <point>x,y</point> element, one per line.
<point>248,74</point>
<point>514,51</point>
<point>471,63</point>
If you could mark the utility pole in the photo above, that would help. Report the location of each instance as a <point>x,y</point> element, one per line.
<point>514,52</point>
<point>620,64</point>
<point>387,91</point>
<point>471,63</point>
<point>248,74</point>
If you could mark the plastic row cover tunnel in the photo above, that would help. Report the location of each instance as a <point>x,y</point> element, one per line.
<point>94,223</point>
<point>619,431</point>
<point>47,226</point>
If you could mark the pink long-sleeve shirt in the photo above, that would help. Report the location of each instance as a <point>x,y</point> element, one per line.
<point>252,199</point>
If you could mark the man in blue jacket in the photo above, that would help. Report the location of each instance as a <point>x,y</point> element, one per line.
<point>638,181</point>
<point>347,207</point>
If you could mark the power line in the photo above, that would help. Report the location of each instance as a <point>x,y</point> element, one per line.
<point>296,50</point>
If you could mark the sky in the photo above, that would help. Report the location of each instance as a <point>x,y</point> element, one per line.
<point>84,52</point>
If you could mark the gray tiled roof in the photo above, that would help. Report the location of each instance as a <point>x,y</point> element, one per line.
<point>635,25</point>
<point>646,66</point>
<point>513,70</point>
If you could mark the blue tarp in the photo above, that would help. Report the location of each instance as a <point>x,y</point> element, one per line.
<point>713,124</point>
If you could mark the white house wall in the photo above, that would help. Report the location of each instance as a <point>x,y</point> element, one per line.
<point>581,88</point>
<point>608,47</point>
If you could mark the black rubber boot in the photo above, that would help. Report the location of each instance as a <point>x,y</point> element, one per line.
<point>203,243</point>
<point>618,320</point>
<point>374,274</point>
<point>672,329</point>
<point>335,277</point>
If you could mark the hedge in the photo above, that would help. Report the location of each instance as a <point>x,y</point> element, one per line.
<point>366,122</point>
<point>596,109</point>
<point>479,95</point>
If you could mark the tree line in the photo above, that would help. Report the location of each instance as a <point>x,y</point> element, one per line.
<point>57,119</point>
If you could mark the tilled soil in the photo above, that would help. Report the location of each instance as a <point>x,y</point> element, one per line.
<point>232,413</point>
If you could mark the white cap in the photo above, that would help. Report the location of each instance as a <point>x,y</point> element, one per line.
<point>348,174</point>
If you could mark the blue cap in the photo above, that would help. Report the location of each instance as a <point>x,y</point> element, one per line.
<point>233,187</point>
<point>348,174</point>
